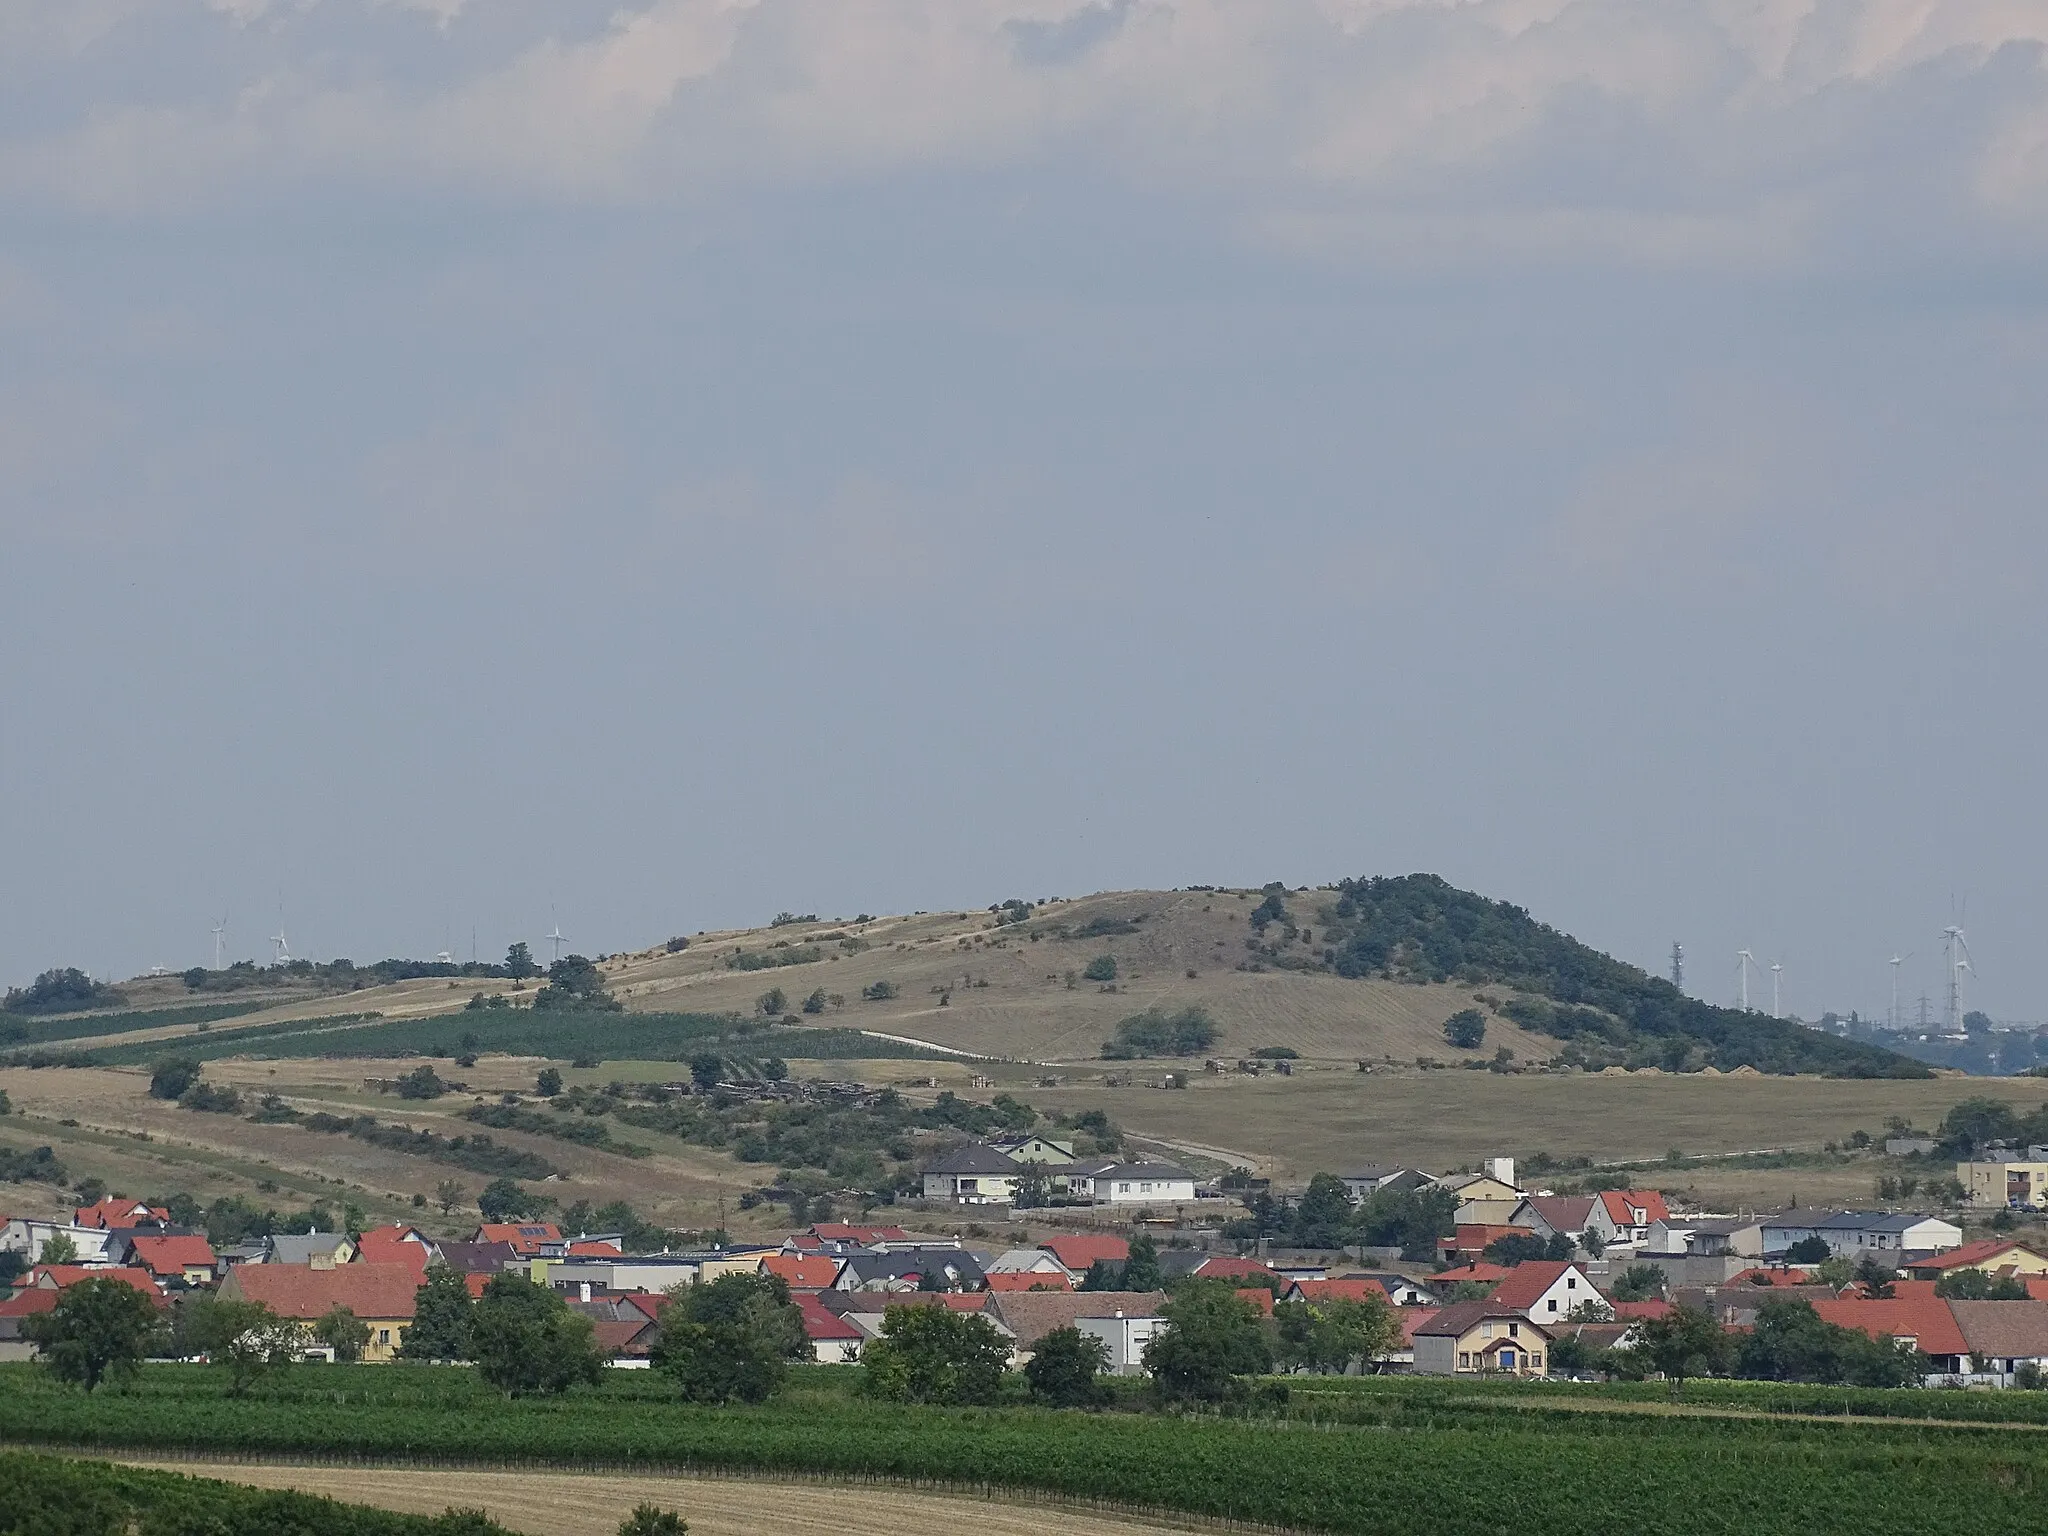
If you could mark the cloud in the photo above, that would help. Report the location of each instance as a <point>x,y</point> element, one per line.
<point>1739,132</point>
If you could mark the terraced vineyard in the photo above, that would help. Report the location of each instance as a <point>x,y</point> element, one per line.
<point>1405,1457</point>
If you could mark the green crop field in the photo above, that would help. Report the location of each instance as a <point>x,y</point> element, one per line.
<point>33,1031</point>
<point>1402,1456</point>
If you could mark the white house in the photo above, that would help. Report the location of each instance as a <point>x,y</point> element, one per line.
<point>1141,1183</point>
<point>27,1236</point>
<point>1362,1183</point>
<point>1544,1290</point>
<point>1035,1149</point>
<point>1848,1233</point>
<point>1126,1334</point>
<point>973,1175</point>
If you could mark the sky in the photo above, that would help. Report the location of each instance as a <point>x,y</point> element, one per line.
<point>472,464</point>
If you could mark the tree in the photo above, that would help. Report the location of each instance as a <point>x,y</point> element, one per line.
<point>504,1200</point>
<point>878,991</point>
<point>65,989</point>
<point>574,982</point>
<point>7,1108</point>
<point>1809,1250</point>
<point>1836,1272</point>
<point>245,1336</point>
<point>1141,1269</point>
<point>1034,1188</point>
<point>773,1002</point>
<point>440,1322</point>
<point>448,1194</point>
<point>707,1070</point>
<point>99,1328</point>
<point>731,1340</point>
<point>526,1340</point>
<point>1790,1342</point>
<point>1639,1282</point>
<point>88,1192</point>
<point>548,1083</point>
<point>815,1003</point>
<point>1465,1029</point>
<point>1412,1218</point>
<point>519,962</point>
<point>652,1520</point>
<point>1064,1367</point>
<point>344,1333</point>
<point>1976,1285</point>
<point>1101,968</point>
<point>1322,1217</point>
<point>172,1076</point>
<point>932,1354</point>
<point>422,1082</point>
<point>1875,1276</point>
<point>1684,1342</point>
<point>1101,1276</point>
<point>58,1248</point>
<point>1212,1339</point>
<point>1328,1336</point>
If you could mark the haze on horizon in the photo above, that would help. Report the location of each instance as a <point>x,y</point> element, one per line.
<point>661,462</point>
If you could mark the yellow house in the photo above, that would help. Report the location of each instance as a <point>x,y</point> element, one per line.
<point>1994,1256</point>
<point>1475,1188</point>
<point>1476,1337</point>
<point>2001,1185</point>
<point>380,1295</point>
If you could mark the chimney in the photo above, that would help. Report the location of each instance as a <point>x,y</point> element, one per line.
<point>584,1288</point>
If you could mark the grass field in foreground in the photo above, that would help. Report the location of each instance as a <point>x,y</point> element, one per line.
<point>1404,1457</point>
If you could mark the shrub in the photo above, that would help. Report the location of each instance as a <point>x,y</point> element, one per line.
<point>1188,1032</point>
<point>1065,1368</point>
<point>730,1340</point>
<point>878,991</point>
<point>170,1077</point>
<point>772,1002</point>
<point>548,1083</point>
<point>526,1340</point>
<point>1101,968</point>
<point>932,1354</point>
<point>1465,1030</point>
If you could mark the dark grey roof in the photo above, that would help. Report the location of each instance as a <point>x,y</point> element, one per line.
<point>974,1158</point>
<point>951,1265</point>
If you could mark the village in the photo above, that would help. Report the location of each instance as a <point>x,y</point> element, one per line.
<point>1524,1283</point>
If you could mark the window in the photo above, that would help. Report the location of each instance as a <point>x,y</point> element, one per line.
<point>1553,1303</point>
<point>1486,1330</point>
<point>1571,1282</point>
<point>383,1335</point>
<point>1514,1330</point>
<point>1535,1362</point>
<point>1464,1360</point>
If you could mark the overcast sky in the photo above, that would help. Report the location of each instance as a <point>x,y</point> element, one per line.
<point>664,461</point>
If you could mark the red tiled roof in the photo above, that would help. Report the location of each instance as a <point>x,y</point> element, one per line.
<point>1478,1271</point>
<point>1356,1288</point>
<point>382,1291</point>
<point>1971,1255</point>
<point>56,1277</point>
<point>29,1303</point>
<point>1041,1280</point>
<point>1625,1311</point>
<point>1259,1296</point>
<point>390,1245</point>
<point>1928,1322</point>
<point>840,1232</point>
<point>525,1237</point>
<point>2037,1287</point>
<point>820,1325</point>
<point>1648,1201</point>
<point>1413,1318</point>
<point>1224,1267</point>
<point>1526,1283</point>
<point>114,1211</point>
<point>475,1284</point>
<point>596,1248</point>
<point>1083,1249</point>
<point>804,1240</point>
<point>1778,1276</point>
<point>173,1255</point>
<point>650,1303</point>
<point>802,1271</point>
<point>619,1338</point>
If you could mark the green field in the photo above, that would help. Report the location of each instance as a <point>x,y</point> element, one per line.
<point>1390,1456</point>
<point>32,1031</point>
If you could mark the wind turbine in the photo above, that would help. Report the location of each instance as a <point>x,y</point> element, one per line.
<point>220,930</point>
<point>1777,971</point>
<point>1897,960</point>
<point>1957,950</point>
<point>283,950</point>
<point>1744,963</point>
<point>556,938</point>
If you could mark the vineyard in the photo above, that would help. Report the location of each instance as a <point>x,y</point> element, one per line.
<point>50,1496</point>
<point>1397,1457</point>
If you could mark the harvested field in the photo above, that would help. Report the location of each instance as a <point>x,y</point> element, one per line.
<point>593,1504</point>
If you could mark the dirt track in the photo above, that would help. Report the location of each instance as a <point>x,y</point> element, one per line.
<point>593,1504</point>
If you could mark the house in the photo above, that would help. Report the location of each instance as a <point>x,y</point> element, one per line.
<point>477,1258</point>
<point>1031,1315</point>
<point>529,1239</point>
<point>1138,1183</point>
<point>1125,1335</point>
<point>1363,1183</point>
<point>1923,1323</point>
<point>2004,1335</point>
<point>834,1341</point>
<point>319,1250</point>
<point>1477,1336</point>
<point>1708,1237</point>
<point>972,1175</point>
<point>1567,1216</point>
<point>380,1295</point>
<point>942,1270</point>
<point>1031,1280</point>
<point>1994,1256</point>
<point>1470,1241</point>
<point>1544,1290</point>
<point>868,1312</point>
<point>1213,1266</point>
<point>1478,1186</point>
<point>1025,1261</point>
<point>595,1248</point>
<point>1890,1233</point>
<point>1402,1356</point>
<point>1477,1272</point>
<point>858,1236</point>
<point>114,1211</point>
<point>1078,1253</point>
<point>802,1271</point>
<point>187,1260</point>
<point>2005,1183</point>
<point>1908,1146</point>
<point>28,1236</point>
<point>396,1244</point>
<point>1630,1213</point>
<point>1035,1149</point>
<point>1351,1288</point>
<point>1488,1213</point>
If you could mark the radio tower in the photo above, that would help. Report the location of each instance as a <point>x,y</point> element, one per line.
<point>1678,965</point>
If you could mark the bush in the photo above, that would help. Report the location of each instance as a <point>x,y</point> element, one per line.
<point>1065,1369</point>
<point>932,1354</point>
<point>171,1076</point>
<point>730,1340</point>
<point>63,990</point>
<point>526,1340</point>
<point>773,1002</point>
<point>211,1098</point>
<point>652,1520</point>
<point>878,991</point>
<point>548,1083</point>
<point>1276,1053</point>
<point>1101,968</point>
